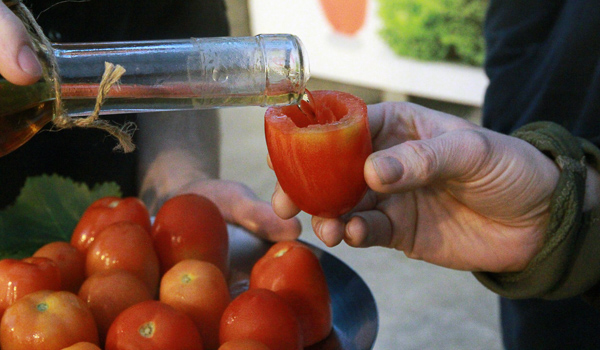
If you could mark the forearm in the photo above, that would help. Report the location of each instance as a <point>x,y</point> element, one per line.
<point>176,148</point>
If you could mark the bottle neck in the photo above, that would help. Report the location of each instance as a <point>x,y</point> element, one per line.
<point>184,74</point>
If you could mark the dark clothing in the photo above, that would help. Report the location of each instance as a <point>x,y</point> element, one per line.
<point>118,20</point>
<point>544,324</point>
<point>87,155</point>
<point>543,62</point>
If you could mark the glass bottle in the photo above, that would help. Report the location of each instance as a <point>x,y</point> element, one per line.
<point>264,70</point>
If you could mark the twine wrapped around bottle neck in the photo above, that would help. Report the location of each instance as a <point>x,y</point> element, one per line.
<point>111,76</point>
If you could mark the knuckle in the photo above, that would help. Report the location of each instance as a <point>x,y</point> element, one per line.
<point>479,139</point>
<point>426,160</point>
<point>479,148</point>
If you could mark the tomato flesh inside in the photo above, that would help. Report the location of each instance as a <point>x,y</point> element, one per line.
<point>329,108</point>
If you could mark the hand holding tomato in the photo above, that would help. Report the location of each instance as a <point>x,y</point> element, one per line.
<point>449,192</point>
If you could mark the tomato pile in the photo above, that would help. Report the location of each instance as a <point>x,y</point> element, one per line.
<point>126,283</point>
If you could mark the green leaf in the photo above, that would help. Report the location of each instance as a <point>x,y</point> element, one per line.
<point>47,209</point>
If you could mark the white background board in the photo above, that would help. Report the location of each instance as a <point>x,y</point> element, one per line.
<point>364,59</point>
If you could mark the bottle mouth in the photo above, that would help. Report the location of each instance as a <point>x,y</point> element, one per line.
<point>286,66</point>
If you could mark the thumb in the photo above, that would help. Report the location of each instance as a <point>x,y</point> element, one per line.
<point>18,61</point>
<point>418,163</point>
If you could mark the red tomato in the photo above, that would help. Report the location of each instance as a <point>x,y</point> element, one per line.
<point>127,246</point>
<point>319,157</point>
<point>47,320</point>
<point>199,289</point>
<point>153,325</point>
<point>21,277</point>
<point>83,346</point>
<point>104,212</point>
<point>261,315</point>
<point>108,293</point>
<point>190,226</point>
<point>243,344</point>
<point>293,271</point>
<point>70,262</point>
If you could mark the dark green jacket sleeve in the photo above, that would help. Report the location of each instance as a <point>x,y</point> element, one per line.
<point>569,262</point>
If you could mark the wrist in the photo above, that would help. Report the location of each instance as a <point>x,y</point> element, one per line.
<point>556,263</point>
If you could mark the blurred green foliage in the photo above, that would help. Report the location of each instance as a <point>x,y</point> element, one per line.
<point>435,30</point>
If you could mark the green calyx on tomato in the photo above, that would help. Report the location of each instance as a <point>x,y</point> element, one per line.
<point>147,330</point>
<point>41,307</point>
<point>318,150</point>
<point>186,279</point>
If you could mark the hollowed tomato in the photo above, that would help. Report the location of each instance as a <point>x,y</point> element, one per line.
<point>318,151</point>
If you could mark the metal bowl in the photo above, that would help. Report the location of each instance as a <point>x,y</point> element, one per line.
<point>355,320</point>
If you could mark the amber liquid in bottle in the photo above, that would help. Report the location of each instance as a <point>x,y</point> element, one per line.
<point>19,127</point>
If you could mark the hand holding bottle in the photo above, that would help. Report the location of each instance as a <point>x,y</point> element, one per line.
<point>18,61</point>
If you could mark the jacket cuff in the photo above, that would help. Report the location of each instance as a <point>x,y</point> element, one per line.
<point>569,262</point>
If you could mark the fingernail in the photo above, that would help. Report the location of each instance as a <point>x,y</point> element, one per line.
<point>350,231</point>
<point>316,225</point>
<point>388,169</point>
<point>28,61</point>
